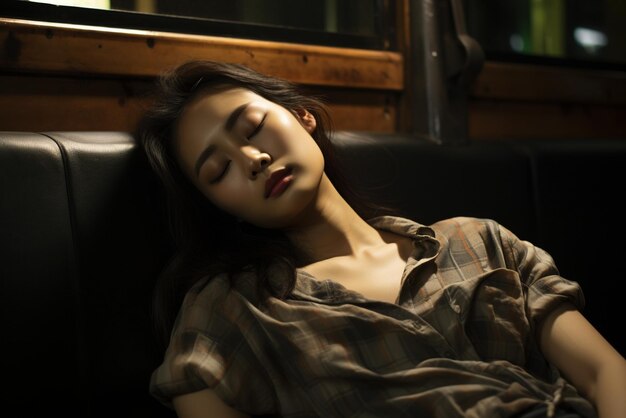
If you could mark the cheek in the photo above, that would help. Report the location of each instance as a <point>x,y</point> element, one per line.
<point>231,200</point>
<point>285,135</point>
<point>231,196</point>
<point>309,153</point>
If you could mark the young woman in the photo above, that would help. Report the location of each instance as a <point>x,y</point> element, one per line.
<point>286,298</point>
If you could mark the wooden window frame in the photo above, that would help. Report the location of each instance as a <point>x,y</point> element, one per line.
<point>65,76</point>
<point>363,85</point>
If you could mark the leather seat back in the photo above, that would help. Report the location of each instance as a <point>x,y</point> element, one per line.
<point>86,241</point>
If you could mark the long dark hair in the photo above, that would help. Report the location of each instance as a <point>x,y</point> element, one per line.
<point>209,241</point>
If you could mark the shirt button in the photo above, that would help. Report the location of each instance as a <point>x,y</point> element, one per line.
<point>456,308</point>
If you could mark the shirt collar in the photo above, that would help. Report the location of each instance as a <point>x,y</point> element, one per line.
<point>402,226</point>
<point>426,247</point>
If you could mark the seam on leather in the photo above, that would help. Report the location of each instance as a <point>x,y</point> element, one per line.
<point>82,361</point>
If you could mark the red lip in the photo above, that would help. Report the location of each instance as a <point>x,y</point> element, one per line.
<point>278,182</point>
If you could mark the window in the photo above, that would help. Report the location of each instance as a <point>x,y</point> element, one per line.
<point>587,33</point>
<point>365,24</point>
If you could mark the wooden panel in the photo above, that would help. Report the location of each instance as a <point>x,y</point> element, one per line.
<point>490,119</point>
<point>72,49</point>
<point>533,101</point>
<point>40,103</point>
<point>549,84</point>
<point>32,103</point>
<point>359,110</point>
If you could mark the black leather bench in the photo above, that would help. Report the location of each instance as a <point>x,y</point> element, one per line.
<point>83,237</point>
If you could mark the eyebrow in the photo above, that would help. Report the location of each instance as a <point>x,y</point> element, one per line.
<point>230,123</point>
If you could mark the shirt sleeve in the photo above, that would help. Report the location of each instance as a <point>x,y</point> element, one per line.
<point>545,288</point>
<point>208,349</point>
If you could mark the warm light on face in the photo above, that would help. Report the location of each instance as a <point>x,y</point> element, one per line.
<point>220,141</point>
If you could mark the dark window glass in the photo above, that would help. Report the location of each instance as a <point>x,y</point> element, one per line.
<point>350,23</point>
<point>583,32</point>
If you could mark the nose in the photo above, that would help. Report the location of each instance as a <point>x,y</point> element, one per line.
<point>255,160</point>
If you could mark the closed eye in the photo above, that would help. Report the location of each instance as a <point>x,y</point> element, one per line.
<point>258,128</point>
<point>221,175</point>
<point>249,137</point>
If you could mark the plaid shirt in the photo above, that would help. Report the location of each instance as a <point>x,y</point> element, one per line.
<point>458,342</point>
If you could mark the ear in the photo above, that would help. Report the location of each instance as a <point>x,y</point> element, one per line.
<point>307,120</point>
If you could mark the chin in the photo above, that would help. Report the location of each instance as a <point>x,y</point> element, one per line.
<point>292,211</point>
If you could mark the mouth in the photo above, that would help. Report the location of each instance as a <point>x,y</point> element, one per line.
<point>278,182</point>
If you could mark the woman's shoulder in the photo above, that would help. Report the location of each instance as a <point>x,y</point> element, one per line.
<point>207,290</point>
<point>451,223</point>
<point>209,346</point>
<point>471,232</point>
<point>466,224</point>
<point>475,229</point>
<point>211,301</point>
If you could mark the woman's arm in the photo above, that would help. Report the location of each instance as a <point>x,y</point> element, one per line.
<point>586,359</point>
<point>204,404</point>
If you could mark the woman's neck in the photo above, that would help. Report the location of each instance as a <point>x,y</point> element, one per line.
<point>331,228</point>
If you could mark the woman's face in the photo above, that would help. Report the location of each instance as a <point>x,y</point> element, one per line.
<point>249,156</point>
